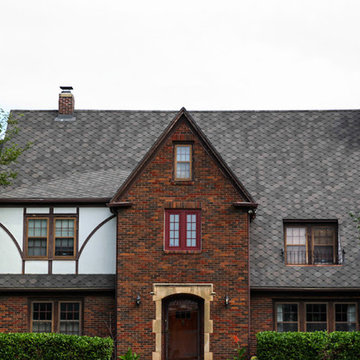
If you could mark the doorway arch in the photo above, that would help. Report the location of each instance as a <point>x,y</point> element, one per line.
<point>164,291</point>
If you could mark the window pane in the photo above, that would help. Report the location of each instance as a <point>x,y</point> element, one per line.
<point>183,170</point>
<point>283,327</point>
<point>191,230</point>
<point>323,254</point>
<point>323,236</point>
<point>345,317</point>
<point>64,228</point>
<point>64,247</point>
<point>316,327</point>
<point>316,312</point>
<point>41,327</point>
<point>70,318</point>
<point>183,153</point>
<point>296,254</point>
<point>70,327</point>
<point>42,317</point>
<point>316,317</point>
<point>37,247</point>
<point>295,236</point>
<point>174,230</point>
<point>37,227</point>
<point>287,317</point>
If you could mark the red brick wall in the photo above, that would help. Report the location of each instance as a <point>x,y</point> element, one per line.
<point>98,313</point>
<point>141,260</point>
<point>261,316</point>
<point>99,316</point>
<point>13,314</point>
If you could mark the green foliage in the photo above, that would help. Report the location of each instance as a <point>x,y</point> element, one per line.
<point>33,346</point>
<point>240,351</point>
<point>129,355</point>
<point>9,151</point>
<point>317,345</point>
<point>356,219</point>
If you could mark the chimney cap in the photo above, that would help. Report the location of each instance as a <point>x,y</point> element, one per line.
<point>66,89</point>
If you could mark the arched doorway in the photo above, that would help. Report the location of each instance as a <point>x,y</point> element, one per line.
<point>183,327</point>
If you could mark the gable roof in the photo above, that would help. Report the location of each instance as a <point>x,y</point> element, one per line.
<point>183,115</point>
<point>296,164</point>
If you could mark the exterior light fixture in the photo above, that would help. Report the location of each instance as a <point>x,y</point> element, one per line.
<point>227,300</point>
<point>138,300</point>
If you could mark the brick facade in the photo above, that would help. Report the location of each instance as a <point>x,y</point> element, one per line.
<point>142,261</point>
<point>98,312</point>
<point>261,316</point>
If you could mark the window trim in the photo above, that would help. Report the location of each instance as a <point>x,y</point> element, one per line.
<point>58,257</point>
<point>330,312</point>
<point>32,312</point>
<point>341,322</point>
<point>51,218</point>
<point>287,303</point>
<point>182,230</point>
<point>190,145</point>
<point>55,322</point>
<point>59,314</point>
<point>27,237</point>
<point>309,225</point>
<point>326,303</point>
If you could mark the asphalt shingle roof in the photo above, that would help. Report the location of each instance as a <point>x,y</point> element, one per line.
<point>79,282</point>
<point>295,164</point>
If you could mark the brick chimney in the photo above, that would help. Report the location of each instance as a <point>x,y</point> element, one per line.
<point>66,101</point>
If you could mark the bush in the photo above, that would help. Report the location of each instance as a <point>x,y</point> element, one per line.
<point>33,346</point>
<point>272,345</point>
<point>308,346</point>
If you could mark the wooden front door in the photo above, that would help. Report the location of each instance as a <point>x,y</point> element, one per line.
<point>183,328</point>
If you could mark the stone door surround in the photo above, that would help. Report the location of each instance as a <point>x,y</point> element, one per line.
<point>163,290</point>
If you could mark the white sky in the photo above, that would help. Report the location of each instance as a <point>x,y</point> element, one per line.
<point>165,54</point>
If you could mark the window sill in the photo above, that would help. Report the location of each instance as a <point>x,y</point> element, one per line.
<point>182,182</point>
<point>183,251</point>
<point>317,265</point>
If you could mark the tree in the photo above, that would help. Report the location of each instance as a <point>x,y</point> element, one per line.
<point>9,151</point>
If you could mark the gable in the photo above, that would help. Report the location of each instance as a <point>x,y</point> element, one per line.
<point>183,130</point>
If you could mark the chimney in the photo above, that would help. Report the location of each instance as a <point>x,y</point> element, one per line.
<point>66,101</point>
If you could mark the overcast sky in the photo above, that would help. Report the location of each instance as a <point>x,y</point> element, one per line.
<point>165,54</point>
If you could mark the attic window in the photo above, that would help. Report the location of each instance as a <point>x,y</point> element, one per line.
<point>183,162</point>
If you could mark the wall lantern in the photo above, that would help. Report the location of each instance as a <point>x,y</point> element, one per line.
<point>227,300</point>
<point>138,300</point>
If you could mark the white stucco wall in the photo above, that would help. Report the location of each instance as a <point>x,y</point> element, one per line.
<point>10,259</point>
<point>13,220</point>
<point>65,210</point>
<point>89,218</point>
<point>36,267</point>
<point>63,267</point>
<point>39,210</point>
<point>99,255</point>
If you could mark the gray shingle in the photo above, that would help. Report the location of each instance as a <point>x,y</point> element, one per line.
<point>296,164</point>
<point>31,282</point>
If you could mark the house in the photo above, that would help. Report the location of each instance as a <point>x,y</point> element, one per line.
<point>174,231</point>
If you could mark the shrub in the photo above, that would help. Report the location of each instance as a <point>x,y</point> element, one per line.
<point>290,346</point>
<point>33,346</point>
<point>308,346</point>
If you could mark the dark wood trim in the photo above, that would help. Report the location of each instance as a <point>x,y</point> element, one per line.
<point>302,289</point>
<point>182,115</point>
<point>92,233</point>
<point>12,237</point>
<point>300,221</point>
<point>51,217</point>
<point>115,204</point>
<point>57,201</point>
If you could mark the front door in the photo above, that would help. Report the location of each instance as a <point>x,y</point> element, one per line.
<point>183,317</point>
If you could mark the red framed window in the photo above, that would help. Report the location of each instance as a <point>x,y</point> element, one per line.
<point>182,230</point>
